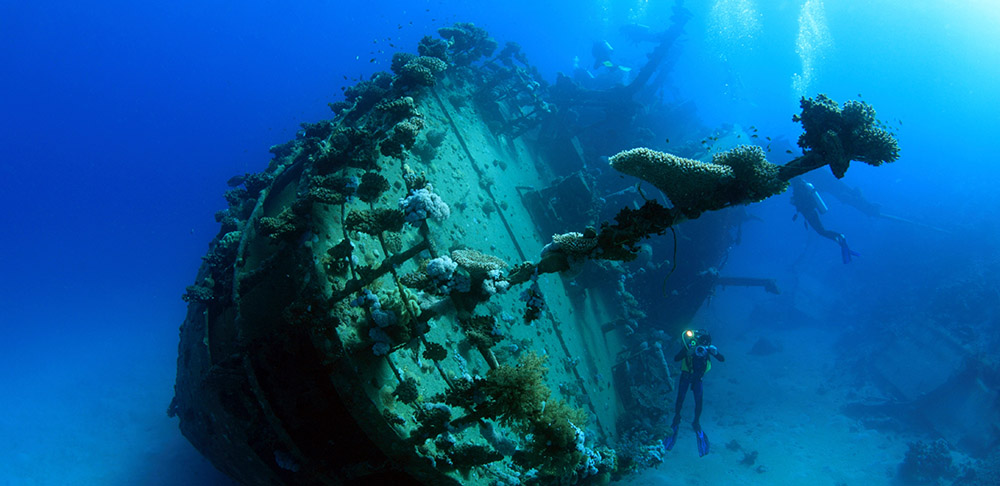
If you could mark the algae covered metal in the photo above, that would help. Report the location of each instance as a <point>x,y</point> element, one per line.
<point>355,311</point>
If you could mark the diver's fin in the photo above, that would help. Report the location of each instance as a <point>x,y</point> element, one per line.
<point>702,442</point>
<point>668,443</point>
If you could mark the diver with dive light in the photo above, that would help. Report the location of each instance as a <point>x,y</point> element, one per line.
<point>696,355</point>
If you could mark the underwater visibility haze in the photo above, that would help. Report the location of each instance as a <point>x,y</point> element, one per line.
<point>437,242</point>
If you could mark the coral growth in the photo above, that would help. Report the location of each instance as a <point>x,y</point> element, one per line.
<point>338,257</point>
<point>433,419</point>
<point>407,391</point>
<point>348,146</point>
<point>284,226</point>
<point>432,47</point>
<point>398,109</point>
<point>534,301</point>
<point>926,462</point>
<point>420,71</point>
<point>691,185</point>
<point>481,331</point>
<point>756,179</point>
<point>440,271</point>
<point>738,176</point>
<point>198,293</point>
<point>435,352</point>
<point>422,204</point>
<point>556,445</point>
<point>364,95</point>
<point>403,136</point>
<point>333,189</point>
<point>467,43</point>
<point>516,393</point>
<point>477,263</point>
<point>372,186</point>
<point>374,221</point>
<point>467,456</point>
<point>839,136</point>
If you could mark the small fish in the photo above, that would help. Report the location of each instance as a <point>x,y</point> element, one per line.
<point>753,136</point>
<point>392,45</point>
<point>859,95</point>
<point>739,135</point>
<point>768,147</point>
<point>400,26</point>
<point>236,180</point>
<point>371,60</point>
<point>768,138</point>
<point>900,122</point>
<point>753,128</point>
<point>667,141</point>
<point>788,151</point>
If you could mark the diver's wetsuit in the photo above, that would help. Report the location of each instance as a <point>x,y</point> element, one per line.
<point>804,203</point>
<point>803,199</point>
<point>692,371</point>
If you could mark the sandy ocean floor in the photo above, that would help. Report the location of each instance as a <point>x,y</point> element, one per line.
<point>92,411</point>
<point>103,421</point>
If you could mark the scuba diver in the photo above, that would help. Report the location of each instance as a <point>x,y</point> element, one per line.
<point>808,202</point>
<point>696,355</point>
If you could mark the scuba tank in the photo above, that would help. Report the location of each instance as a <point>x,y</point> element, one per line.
<point>820,204</point>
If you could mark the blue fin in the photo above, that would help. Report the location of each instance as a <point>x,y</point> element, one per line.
<point>702,443</point>
<point>668,443</point>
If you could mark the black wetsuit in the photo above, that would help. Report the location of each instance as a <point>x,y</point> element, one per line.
<point>692,379</point>
<point>804,202</point>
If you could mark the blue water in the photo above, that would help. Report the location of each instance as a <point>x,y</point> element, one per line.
<point>121,122</point>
